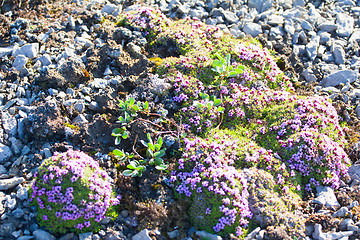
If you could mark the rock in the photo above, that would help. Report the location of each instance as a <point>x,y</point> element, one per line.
<point>6,184</point>
<point>111,9</point>
<point>338,77</point>
<point>5,51</point>
<point>327,26</point>
<point>133,48</point>
<point>252,29</point>
<point>298,3</point>
<point>355,37</point>
<point>312,47</point>
<point>307,26</point>
<point>317,231</point>
<point>5,153</point>
<point>345,223</point>
<point>25,238</point>
<point>43,235</point>
<point>230,17</point>
<point>16,145</point>
<point>173,234</point>
<point>18,213</point>
<point>85,236</point>
<point>275,20</point>
<point>253,234</point>
<point>22,193</point>
<point>9,123</point>
<point>339,54</point>
<point>83,42</point>
<point>206,235</point>
<point>159,86</point>
<point>342,212</point>
<point>80,119</point>
<point>19,62</point>
<point>339,235</point>
<point>345,25</point>
<point>28,50</point>
<point>309,75</point>
<point>68,236</point>
<point>10,202</point>
<point>143,235</point>
<point>325,196</point>
<point>45,60</point>
<point>353,228</point>
<point>6,229</point>
<point>260,5</point>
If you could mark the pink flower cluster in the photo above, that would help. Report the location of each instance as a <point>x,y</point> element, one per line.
<point>72,192</point>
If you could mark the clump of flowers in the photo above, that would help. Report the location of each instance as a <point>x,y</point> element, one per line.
<point>147,20</point>
<point>72,193</point>
<point>217,189</point>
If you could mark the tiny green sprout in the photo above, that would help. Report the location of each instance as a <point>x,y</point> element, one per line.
<point>155,153</point>
<point>209,102</point>
<point>135,169</point>
<point>122,156</point>
<point>120,133</point>
<point>224,68</point>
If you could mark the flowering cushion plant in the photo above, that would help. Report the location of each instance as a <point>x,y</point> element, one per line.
<point>72,193</point>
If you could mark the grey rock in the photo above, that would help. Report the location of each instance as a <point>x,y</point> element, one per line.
<point>325,37</point>
<point>124,213</point>
<point>354,204</point>
<point>6,229</point>
<point>355,37</point>
<point>317,231</point>
<point>43,235</point>
<point>79,106</point>
<point>143,235</point>
<point>109,8</point>
<point>107,71</point>
<point>253,234</point>
<point>345,223</point>
<point>345,25</point>
<point>22,193</point>
<point>199,13</point>
<point>19,62</point>
<point>45,60</point>
<point>339,54</point>
<point>30,50</point>
<point>25,238</point>
<point>307,26</point>
<point>68,52</point>
<point>289,27</point>
<point>230,17</point>
<point>276,20</point>
<point>312,47</point>
<point>159,86</point>
<point>83,42</point>
<point>260,5</point>
<point>5,51</point>
<point>339,235</point>
<point>71,22</point>
<point>6,184</point>
<point>342,212</point>
<point>10,202</point>
<point>357,111</point>
<point>338,77</point>
<point>2,170</point>
<point>96,237</point>
<point>68,236</point>
<point>85,236</point>
<point>183,9</point>
<point>252,29</point>
<point>327,26</point>
<point>353,228</point>
<point>325,196</point>
<point>5,153</point>
<point>309,75</point>
<point>16,145</point>
<point>18,213</point>
<point>133,48</point>
<point>298,3</point>
<point>99,83</point>
<point>80,119</point>
<point>173,234</point>
<point>206,235</point>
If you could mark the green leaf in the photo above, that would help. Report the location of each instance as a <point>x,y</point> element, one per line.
<point>149,137</point>
<point>136,173</point>
<point>136,108</point>
<point>221,109</point>
<point>232,74</point>
<point>160,141</point>
<point>161,167</point>
<point>131,102</point>
<point>158,161</point>
<point>217,102</point>
<point>228,56</point>
<point>127,173</point>
<point>125,135</point>
<point>216,63</point>
<point>144,143</point>
<point>150,152</point>
<point>119,153</point>
<point>159,154</point>
<point>117,140</point>
<point>133,165</point>
<point>151,146</point>
<point>157,147</point>
<point>117,131</point>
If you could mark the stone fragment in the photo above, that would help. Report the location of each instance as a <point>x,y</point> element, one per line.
<point>43,235</point>
<point>5,153</point>
<point>342,212</point>
<point>22,193</point>
<point>312,47</point>
<point>143,235</point>
<point>325,37</point>
<point>5,51</point>
<point>80,119</point>
<point>260,5</point>
<point>18,213</point>
<point>253,234</point>
<point>173,234</point>
<point>252,29</point>
<point>307,26</point>
<point>25,238</point>
<point>19,62</point>
<point>85,236</point>
<point>339,54</point>
<point>9,123</point>
<point>345,25</point>
<point>309,75</point>
<point>325,196</point>
<point>206,235</point>
<point>6,228</point>
<point>45,60</point>
<point>230,17</point>
<point>6,184</point>
<point>355,37</point>
<point>338,77</point>
<point>30,50</point>
<point>10,202</point>
<point>327,26</point>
